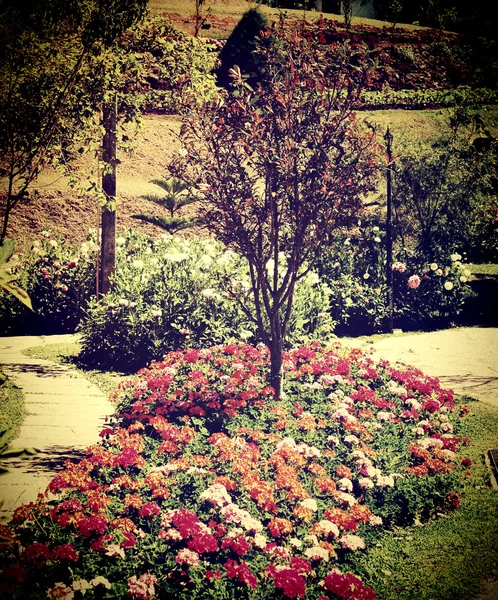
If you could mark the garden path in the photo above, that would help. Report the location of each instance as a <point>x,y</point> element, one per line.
<point>65,413</point>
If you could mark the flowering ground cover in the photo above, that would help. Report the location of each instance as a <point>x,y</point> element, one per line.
<point>205,486</point>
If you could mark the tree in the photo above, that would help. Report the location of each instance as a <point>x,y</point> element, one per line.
<point>446,190</point>
<point>278,167</point>
<point>240,46</point>
<point>176,197</point>
<point>45,49</point>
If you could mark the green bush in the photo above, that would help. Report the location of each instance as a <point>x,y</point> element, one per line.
<point>173,66</point>
<point>170,293</point>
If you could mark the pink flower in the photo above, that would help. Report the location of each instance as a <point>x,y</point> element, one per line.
<point>143,587</point>
<point>348,586</point>
<point>187,557</point>
<point>414,282</point>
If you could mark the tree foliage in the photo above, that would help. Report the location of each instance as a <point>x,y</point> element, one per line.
<point>280,166</point>
<point>446,192</point>
<point>47,50</point>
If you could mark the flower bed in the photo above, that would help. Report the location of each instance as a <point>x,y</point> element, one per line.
<point>205,486</point>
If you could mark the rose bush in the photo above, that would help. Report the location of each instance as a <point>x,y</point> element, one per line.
<point>59,278</point>
<point>427,294</point>
<point>204,486</point>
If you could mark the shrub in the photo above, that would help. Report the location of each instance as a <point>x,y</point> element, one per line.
<point>204,486</point>
<point>59,278</point>
<point>171,292</point>
<point>171,65</point>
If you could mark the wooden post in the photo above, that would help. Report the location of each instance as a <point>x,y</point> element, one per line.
<point>108,244</point>
<point>389,235</point>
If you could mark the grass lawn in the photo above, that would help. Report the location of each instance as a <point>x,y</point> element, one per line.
<point>446,559</point>
<point>11,408</point>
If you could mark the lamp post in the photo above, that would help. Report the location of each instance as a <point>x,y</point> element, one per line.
<point>389,234</point>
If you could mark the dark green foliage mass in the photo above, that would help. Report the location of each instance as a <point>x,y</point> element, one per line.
<point>240,46</point>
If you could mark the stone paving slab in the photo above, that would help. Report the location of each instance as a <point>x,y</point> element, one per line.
<point>65,414</point>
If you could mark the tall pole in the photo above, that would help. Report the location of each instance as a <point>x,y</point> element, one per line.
<point>108,246</point>
<point>389,235</point>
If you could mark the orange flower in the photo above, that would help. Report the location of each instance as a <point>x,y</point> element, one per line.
<point>325,484</point>
<point>344,471</point>
<point>279,527</point>
<point>303,513</point>
<point>316,469</point>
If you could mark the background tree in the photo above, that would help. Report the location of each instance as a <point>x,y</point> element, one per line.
<point>446,192</point>
<point>280,166</point>
<point>239,49</point>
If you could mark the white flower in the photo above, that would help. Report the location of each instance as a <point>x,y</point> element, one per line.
<point>385,481</point>
<point>208,292</point>
<point>217,494</point>
<point>434,267</point>
<point>309,503</point>
<point>120,241</point>
<point>245,335</point>
<point>455,257</point>
<point>313,278</point>
<point>352,542</point>
<point>448,285</point>
<point>366,483</point>
<point>317,553</point>
<point>81,585</point>
<point>53,243</point>
<point>345,498</point>
<point>182,152</point>
<point>99,580</point>
<point>366,276</point>
<point>377,239</point>
<point>376,228</point>
<point>157,313</point>
<point>463,279</point>
<point>260,541</point>
<point>115,550</point>
<point>466,272</point>
<point>351,439</point>
<point>296,542</point>
<point>439,272</point>
<point>137,263</point>
<point>345,484</point>
<point>375,520</point>
<point>327,528</point>
<point>123,302</point>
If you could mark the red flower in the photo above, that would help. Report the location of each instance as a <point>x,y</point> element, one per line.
<point>238,544</point>
<point>36,554</point>
<point>290,583</point>
<point>203,543</point>
<point>89,525</point>
<point>241,572</point>
<point>16,573</point>
<point>65,552</point>
<point>348,586</point>
<point>148,510</point>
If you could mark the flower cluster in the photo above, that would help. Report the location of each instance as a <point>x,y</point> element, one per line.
<point>203,481</point>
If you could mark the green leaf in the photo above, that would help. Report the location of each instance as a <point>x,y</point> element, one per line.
<point>6,250</point>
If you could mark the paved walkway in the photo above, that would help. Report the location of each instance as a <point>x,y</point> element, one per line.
<point>65,413</point>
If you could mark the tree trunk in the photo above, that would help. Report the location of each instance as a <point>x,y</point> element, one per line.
<point>276,367</point>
